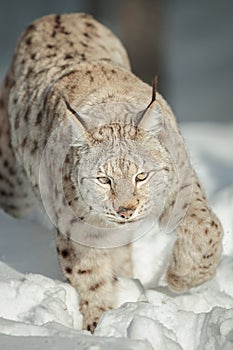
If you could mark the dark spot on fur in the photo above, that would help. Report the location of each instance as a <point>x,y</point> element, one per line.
<point>184,186</point>
<point>11,207</point>
<point>88,72</point>
<point>64,201</point>
<point>68,270</point>
<point>3,193</point>
<point>91,327</point>
<point>83,57</point>
<point>193,215</point>
<point>96,286</point>
<point>35,147</point>
<point>12,171</point>
<point>33,56</point>
<point>101,309</point>
<point>65,253</point>
<point>203,209</point>
<point>58,250</point>
<point>68,56</point>
<point>58,20</point>
<point>28,41</point>
<point>198,185</point>
<point>83,44</point>
<point>62,28</point>
<point>66,178</point>
<point>6,194</point>
<point>64,66</point>
<point>26,115</point>
<point>107,60</point>
<point>81,218</point>
<point>24,142</point>
<point>49,46</point>
<point>74,221</point>
<point>6,163</point>
<point>31,27</point>
<point>39,118</point>
<point>7,81</point>
<point>84,272</point>
<point>206,231</point>
<point>90,25</point>
<point>16,122</point>
<point>87,35</point>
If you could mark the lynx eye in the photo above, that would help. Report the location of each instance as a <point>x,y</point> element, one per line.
<point>104,180</point>
<point>141,177</point>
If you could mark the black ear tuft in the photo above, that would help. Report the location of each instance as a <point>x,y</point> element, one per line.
<point>154,88</point>
<point>151,117</point>
<point>73,112</point>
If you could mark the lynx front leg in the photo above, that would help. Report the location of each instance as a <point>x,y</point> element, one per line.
<point>90,271</point>
<point>197,250</point>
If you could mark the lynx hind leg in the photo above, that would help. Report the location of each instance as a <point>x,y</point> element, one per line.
<point>197,250</point>
<point>14,198</point>
<point>90,271</point>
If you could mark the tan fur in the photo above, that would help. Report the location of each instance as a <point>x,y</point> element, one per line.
<point>74,59</point>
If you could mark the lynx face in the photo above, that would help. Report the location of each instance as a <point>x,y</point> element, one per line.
<point>125,180</point>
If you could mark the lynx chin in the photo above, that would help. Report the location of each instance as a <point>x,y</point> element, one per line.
<point>84,138</point>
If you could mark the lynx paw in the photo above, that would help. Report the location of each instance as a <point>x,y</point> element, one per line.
<point>180,283</point>
<point>90,325</point>
<point>91,317</point>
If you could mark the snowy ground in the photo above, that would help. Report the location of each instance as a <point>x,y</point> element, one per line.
<point>38,310</point>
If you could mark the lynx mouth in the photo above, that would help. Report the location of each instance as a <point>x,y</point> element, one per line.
<point>124,222</point>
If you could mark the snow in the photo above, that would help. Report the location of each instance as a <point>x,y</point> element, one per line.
<point>39,310</point>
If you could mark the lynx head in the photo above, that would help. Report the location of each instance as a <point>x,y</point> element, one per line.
<point>124,171</point>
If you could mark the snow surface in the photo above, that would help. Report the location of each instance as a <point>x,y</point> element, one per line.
<point>39,310</point>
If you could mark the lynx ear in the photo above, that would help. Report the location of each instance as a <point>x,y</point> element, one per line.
<point>75,116</point>
<point>151,118</point>
<point>78,126</point>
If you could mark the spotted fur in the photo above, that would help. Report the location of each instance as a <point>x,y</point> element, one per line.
<point>70,67</point>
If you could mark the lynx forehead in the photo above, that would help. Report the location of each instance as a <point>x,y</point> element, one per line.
<point>73,138</point>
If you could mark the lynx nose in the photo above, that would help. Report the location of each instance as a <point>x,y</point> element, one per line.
<point>125,213</point>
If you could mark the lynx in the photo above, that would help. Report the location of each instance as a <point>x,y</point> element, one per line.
<point>100,150</point>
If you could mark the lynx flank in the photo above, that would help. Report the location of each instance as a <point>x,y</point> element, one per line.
<point>126,165</point>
